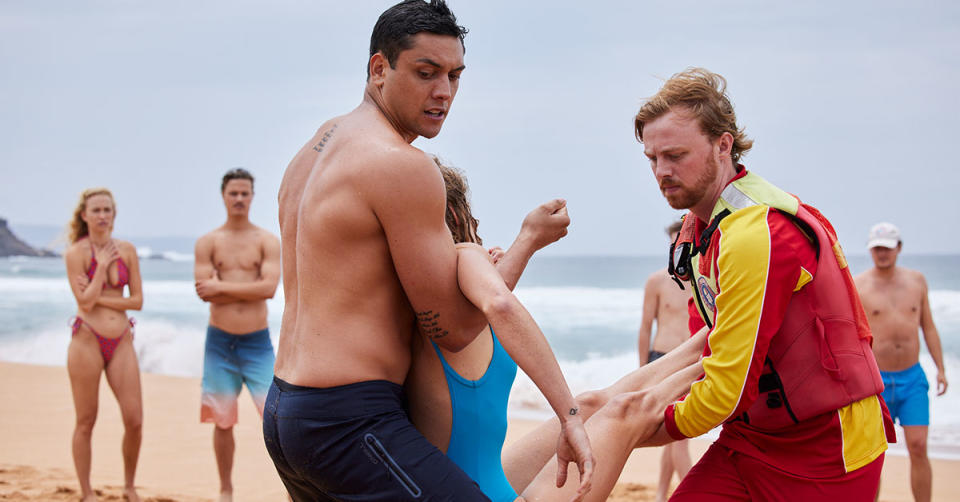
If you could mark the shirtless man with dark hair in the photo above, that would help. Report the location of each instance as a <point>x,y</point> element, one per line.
<point>895,300</point>
<point>367,257</point>
<point>666,303</point>
<point>237,269</point>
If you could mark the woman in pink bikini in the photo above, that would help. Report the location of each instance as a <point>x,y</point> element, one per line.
<point>98,268</point>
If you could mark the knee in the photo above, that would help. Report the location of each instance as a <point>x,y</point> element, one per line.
<point>85,423</point>
<point>133,423</point>
<point>917,447</point>
<point>591,401</point>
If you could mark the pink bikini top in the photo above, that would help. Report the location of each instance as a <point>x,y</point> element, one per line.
<point>123,275</point>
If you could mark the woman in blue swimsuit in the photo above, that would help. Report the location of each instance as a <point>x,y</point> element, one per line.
<point>458,401</point>
<point>99,268</point>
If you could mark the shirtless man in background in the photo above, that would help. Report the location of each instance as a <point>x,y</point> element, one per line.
<point>666,303</point>
<point>237,269</point>
<point>895,300</point>
<point>367,256</point>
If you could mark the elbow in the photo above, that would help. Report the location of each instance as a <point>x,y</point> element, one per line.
<point>500,305</point>
<point>136,303</point>
<point>86,306</point>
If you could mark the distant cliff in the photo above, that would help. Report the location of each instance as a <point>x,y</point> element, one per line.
<point>10,245</point>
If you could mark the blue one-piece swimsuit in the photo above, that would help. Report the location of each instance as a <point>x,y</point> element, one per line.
<point>480,422</point>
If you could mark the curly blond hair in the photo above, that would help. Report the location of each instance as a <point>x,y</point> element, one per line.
<point>704,94</point>
<point>77,229</point>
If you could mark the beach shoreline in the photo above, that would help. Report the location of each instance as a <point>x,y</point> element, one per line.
<point>176,458</point>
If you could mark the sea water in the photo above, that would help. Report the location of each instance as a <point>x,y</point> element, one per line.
<point>588,307</point>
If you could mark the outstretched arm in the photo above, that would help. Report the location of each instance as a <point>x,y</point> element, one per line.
<point>523,340</point>
<point>932,339</point>
<point>525,457</point>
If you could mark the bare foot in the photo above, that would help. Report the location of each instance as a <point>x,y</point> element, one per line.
<point>130,494</point>
<point>225,497</point>
<point>91,497</point>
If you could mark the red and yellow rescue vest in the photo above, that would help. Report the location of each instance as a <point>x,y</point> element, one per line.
<point>820,359</point>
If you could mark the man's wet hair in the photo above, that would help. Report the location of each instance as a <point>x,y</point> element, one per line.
<point>396,27</point>
<point>237,173</point>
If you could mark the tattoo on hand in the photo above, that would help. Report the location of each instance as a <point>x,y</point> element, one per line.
<point>430,324</point>
<point>574,411</point>
<point>326,137</point>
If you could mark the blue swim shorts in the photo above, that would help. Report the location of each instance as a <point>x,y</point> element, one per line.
<point>355,442</point>
<point>229,361</point>
<point>906,394</point>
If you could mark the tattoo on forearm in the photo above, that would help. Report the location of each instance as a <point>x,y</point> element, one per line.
<point>429,322</point>
<point>326,137</point>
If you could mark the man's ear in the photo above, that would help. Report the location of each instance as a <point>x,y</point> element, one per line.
<point>725,144</point>
<point>378,68</point>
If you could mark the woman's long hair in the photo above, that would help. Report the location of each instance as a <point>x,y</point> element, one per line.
<point>78,228</point>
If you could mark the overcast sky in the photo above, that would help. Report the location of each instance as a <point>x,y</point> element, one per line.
<point>853,106</point>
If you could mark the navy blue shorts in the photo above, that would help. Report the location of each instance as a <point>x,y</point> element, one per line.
<point>356,443</point>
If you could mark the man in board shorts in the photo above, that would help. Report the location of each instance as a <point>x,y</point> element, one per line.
<point>367,257</point>
<point>895,299</point>
<point>237,268</point>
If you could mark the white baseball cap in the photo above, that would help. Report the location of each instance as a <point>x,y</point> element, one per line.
<point>885,235</point>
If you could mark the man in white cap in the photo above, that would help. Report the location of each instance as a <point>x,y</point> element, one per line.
<point>896,304</point>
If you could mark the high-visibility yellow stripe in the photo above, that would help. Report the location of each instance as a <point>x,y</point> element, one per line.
<point>745,236</point>
<point>864,438</point>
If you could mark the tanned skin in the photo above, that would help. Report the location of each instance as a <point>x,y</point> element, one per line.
<point>896,303</point>
<point>665,303</point>
<point>236,268</point>
<point>366,252</point>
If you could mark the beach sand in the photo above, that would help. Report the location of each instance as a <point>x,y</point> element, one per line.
<point>176,459</point>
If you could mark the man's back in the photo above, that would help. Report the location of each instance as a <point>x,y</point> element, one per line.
<point>893,306</point>
<point>346,317</point>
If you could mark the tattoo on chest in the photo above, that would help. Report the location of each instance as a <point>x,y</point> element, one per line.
<point>429,322</point>
<point>325,139</point>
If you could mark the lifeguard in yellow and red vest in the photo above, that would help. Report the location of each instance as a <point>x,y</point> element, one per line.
<point>788,369</point>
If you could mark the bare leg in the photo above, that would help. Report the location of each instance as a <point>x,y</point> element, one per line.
<point>84,365</point>
<point>666,472</point>
<point>681,458</point>
<point>123,375</point>
<point>921,476</point>
<point>625,421</point>
<point>223,447</point>
<point>524,458</point>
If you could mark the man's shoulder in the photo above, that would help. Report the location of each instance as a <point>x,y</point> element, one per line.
<point>207,241</point>
<point>265,235</point>
<point>658,278</point>
<point>911,275</point>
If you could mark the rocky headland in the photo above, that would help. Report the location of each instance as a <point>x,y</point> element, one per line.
<point>11,245</point>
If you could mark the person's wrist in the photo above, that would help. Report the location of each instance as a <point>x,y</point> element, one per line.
<point>571,416</point>
<point>525,243</point>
